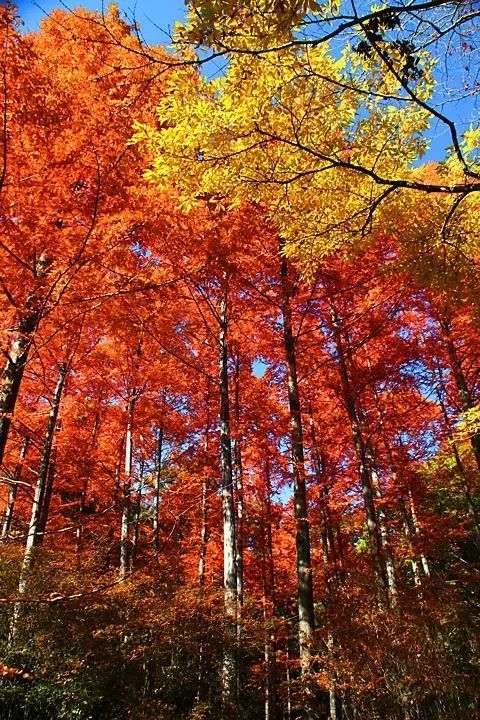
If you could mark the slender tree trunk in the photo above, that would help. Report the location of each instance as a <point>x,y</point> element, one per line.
<point>81,511</point>
<point>414,525</point>
<point>42,493</point>
<point>332,698</point>
<point>83,494</point>
<point>238,485</point>
<point>136,524</point>
<point>462,475</point>
<point>228,504</point>
<point>158,484</point>
<point>201,577</point>
<point>288,678</point>
<point>12,494</point>
<point>415,528</point>
<point>118,485</point>
<point>39,497</point>
<point>47,497</point>
<point>361,453</point>
<point>267,647</point>
<point>381,511</point>
<point>384,533</point>
<point>269,603</point>
<point>112,544</point>
<point>409,537</point>
<point>239,494</point>
<point>339,544</point>
<point>403,508</point>
<point>18,354</point>
<point>467,494</point>
<point>205,491</point>
<point>329,554</point>
<point>239,521</point>
<point>304,566</point>
<point>466,399</point>
<point>203,535</point>
<point>127,489</point>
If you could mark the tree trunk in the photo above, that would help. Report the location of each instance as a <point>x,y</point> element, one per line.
<point>39,497</point>
<point>203,535</point>
<point>119,487</point>
<point>47,497</point>
<point>288,678</point>
<point>329,554</point>
<point>239,521</point>
<point>361,454</point>
<point>12,494</point>
<point>384,533</point>
<point>205,492</point>
<point>381,512</point>
<point>329,549</point>
<point>466,400</point>
<point>126,490</point>
<point>268,650</point>
<point>268,603</point>
<point>239,493</point>
<point>462,475</point>
<point>238,486</point>
<point>17,356</point>
<point>415,528</point>
<point>201,577</point>
<point>409,537</point>
<point>158,483</point>
<point>228,505</point>
<point>403,508</point>
<point>83,494</point>
<point>42,492</point>
<point>304,566</point>
<point>136,523</point>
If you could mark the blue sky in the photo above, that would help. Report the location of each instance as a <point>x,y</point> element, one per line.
<point>162,13</point>
<point>157,17</point>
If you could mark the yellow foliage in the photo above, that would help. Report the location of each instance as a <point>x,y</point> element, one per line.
<point>289,132</point>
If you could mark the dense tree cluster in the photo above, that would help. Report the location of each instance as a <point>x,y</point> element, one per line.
<point>240,393</point>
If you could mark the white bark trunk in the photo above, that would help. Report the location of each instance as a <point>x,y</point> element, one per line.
<point>12,494</point>
<point>127,488</point>
<point>228,505</point>
<point>32,537</point>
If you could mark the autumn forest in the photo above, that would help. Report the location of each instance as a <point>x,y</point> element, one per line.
<point>240,373</point>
